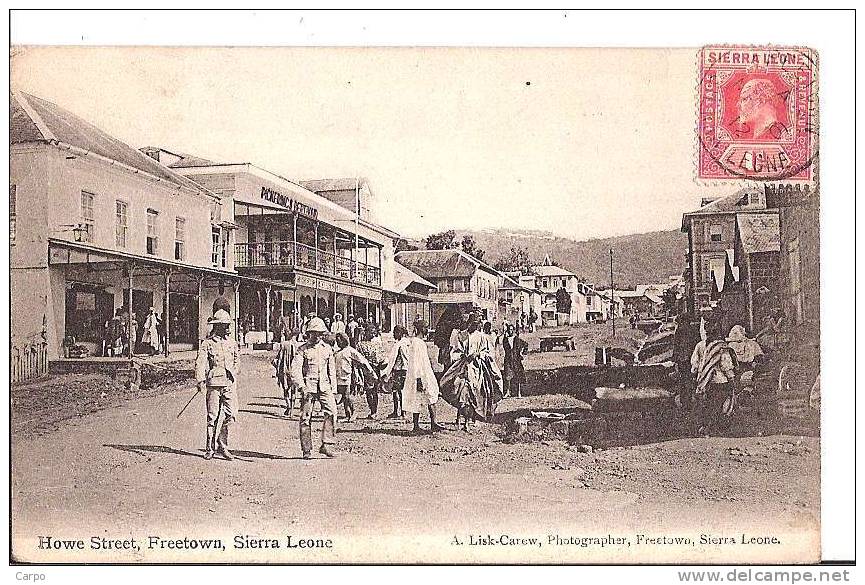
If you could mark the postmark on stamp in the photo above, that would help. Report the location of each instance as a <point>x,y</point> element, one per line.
<point>757,116</point>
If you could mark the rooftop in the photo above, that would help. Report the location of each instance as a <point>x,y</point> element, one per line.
<point>759,232</point>
<point>450,263</point>
<point>33,119</point>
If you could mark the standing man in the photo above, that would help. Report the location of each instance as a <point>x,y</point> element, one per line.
<point>313,371</point>
<point>473,384</point>
<point>397,365</point>
<point>348,361</point>
<point>216,369</point>
<point>338,325</point>
<point>288,347</point>
<point>350,326</point>
<point>419,385</point>
<point>420,327</point>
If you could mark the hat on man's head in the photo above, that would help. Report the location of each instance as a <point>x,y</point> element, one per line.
<point>220,316</point>
<point>316,325</point>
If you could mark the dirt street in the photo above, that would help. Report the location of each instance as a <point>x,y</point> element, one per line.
<point>129,469</point>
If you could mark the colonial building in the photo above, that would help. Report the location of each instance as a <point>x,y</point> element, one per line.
<point>463,283</point>
<point>586,304</point>
<point>733,257</point>
<point>643,304</point>
<point>326,257</point>
<point>98,226</point>
<point>517,297</point>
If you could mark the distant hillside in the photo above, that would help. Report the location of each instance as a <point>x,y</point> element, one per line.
<point>638,258</point>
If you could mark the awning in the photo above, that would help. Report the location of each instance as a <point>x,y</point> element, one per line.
<point>404,278</point>
<point>67,252</point>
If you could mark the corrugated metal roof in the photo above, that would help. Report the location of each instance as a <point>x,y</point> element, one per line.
<point>439,263</point>
<point>403,278</point>
<point>66,127</point>
<point>759,232</point>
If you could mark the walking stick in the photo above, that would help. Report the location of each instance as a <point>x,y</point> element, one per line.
<point>182,410</point>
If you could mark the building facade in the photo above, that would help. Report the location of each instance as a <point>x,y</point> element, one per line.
<point>326,258</point>
<point>463,283</point>
<point>96,226</point>
<point>733,260</point>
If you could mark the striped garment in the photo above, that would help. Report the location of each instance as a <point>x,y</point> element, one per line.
<point>711,362</point>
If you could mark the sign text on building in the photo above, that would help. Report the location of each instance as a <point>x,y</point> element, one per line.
<point>275,196</point>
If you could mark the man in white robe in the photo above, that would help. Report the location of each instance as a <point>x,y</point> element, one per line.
<point>420,387</point>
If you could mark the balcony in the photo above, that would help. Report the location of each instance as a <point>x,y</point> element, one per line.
<point>294,255</point>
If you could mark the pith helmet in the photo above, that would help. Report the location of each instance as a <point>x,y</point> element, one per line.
<point>220,316</point>
<point>316,324</point>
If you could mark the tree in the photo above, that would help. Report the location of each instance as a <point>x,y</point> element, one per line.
<point>403,245</point>
<point>563,301</point>
<point>470,247</point>
<point>514,260</point>
<point>441,241</point>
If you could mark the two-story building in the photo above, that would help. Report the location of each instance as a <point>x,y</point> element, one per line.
<point>97,226</point>
<point>733,261</point>
<point>585,304</point>
<point>518,297</point>
<point>327,257</point>
<point>462,282</point>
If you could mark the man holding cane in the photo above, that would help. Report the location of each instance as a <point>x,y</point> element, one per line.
<point>216,369</point>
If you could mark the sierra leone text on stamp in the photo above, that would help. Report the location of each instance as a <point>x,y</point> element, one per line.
<point>757,113</point>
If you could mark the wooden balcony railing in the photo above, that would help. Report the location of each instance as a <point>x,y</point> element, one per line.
<point>296,255</point>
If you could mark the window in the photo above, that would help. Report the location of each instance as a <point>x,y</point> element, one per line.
<point>87,218</point>
<point>715,232</point>
<point>152,232</point>
<point>121,223</point>
<point>179,237</point>
<point>214,250</point>
<point>13,203</point>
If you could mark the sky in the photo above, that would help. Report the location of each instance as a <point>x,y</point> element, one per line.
<point>583,143</point>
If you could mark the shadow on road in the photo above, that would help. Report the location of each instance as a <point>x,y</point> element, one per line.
<point>263,413</point>
<point>142,450</point>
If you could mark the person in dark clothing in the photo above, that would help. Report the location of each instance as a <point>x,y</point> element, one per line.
<point>685,339</point>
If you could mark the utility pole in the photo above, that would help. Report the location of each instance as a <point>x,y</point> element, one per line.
<point>612,294</point>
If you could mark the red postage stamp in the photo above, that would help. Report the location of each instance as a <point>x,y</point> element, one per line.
<point>757,113</point>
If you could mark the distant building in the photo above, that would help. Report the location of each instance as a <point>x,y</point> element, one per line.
<point>462,282</point>
<point>517,299</point>
<point>549,279</point>
<point>643,304</point>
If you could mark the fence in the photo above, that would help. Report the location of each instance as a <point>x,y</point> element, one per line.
<point>28,361</point>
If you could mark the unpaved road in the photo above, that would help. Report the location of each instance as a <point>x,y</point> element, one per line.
<point>131,470</point>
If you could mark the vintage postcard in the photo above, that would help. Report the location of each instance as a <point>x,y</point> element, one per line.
<point>415,305</point>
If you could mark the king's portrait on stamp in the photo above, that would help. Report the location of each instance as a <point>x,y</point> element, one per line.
<point>332,305</point>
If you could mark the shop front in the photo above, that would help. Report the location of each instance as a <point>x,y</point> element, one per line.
<point>90,286</point>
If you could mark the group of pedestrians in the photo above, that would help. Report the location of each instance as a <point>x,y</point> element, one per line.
<point>329,365</point>
<point>717,367</point>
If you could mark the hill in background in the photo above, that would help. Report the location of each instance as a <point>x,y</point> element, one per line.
<point>637,259</point>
